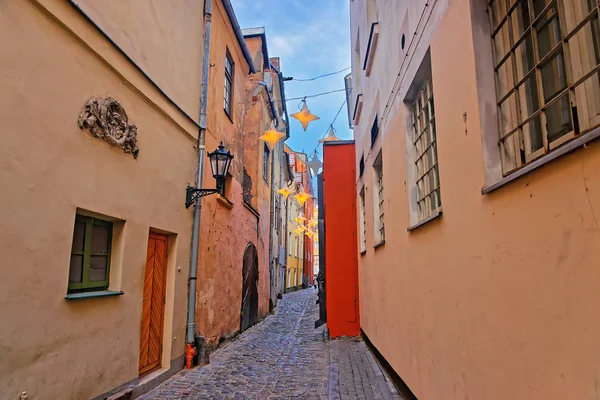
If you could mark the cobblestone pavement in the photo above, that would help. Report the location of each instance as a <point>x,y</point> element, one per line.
<point>284,357</point>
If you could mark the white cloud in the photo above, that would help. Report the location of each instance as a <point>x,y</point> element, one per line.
<point>285,45</point>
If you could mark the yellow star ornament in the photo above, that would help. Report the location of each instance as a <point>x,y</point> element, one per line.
<point>302,197</point>
<point>271,137</point>
<point>305,116</point>
<point>299,231</point>
<point>330,136</point>
<point>285,192</point>
<point>300,220</point>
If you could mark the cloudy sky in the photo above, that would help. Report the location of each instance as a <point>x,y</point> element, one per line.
<point>312,38</point>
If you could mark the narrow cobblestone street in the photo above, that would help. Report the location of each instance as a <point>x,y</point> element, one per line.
<point>284,357</point>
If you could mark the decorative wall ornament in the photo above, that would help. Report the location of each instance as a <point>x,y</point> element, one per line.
<point>106,119</point>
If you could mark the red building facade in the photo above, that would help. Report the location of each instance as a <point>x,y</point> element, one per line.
<point>341,248</point>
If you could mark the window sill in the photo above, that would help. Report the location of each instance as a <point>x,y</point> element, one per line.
<point>89,295</point>
<point>228,116</point>
<point>363,252</point>
<point>225,201</point>
<point>561,151</point>
<point>378,245</point>
<point>251,209</point>
<point>425,221</point>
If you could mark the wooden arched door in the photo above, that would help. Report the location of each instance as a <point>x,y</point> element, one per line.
<point>249,313</point>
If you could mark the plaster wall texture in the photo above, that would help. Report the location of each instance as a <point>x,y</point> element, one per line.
<point>156,35</point>
<point>227,225</point>
<point>496,299</point>
<point>49,170</point>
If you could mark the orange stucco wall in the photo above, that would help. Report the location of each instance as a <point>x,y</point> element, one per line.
<point>341,267</point>
<point>498,298</point>
<point>227,225</point>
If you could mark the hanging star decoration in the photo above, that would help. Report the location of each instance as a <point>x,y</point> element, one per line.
<point>302,197</point>
<point>299,230</point>
<point>309,233</point>
<point>330,136</point>
<point>304,116</point>
<point>312,223</point>
<point>285,192</point>
<point>300,219</point>
<point>315,164</point>
<point>272,137</point>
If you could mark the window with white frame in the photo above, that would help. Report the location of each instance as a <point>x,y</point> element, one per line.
<point>427,174</point>
<point>228,90</point>
<point>379,202</point>
<point>547,70</point>
<point>363,223</point>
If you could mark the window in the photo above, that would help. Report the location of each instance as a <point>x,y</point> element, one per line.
<point>374,130</point>
<point>290,243</point>
<point>547,69</point>
<point>266,153</point>
<point>277,216</point>
<point>90,254</point>
<point>379,202</point>
<point>427,176</point>
<point>361,165</point>
<point>363,223</point>
<point>228,93</point>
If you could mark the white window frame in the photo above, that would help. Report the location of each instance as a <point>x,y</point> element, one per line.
<point>424,146</point>
<point>362,220</point>
<point>379,202</point>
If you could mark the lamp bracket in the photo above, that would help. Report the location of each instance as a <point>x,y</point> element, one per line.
<point>192,194</point>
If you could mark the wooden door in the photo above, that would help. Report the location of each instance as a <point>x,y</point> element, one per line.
<point>153,308</point>
<point>249,314</point>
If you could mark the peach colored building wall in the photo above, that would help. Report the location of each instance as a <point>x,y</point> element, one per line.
<point>497,298</point>
<point>165,52</point>
<point>227,224</point>
<point>49,170</point>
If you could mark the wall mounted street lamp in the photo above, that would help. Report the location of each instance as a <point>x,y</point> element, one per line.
<point>219,164</point>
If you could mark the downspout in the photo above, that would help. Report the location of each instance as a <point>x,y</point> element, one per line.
<point>190,350</point>
<point>272,213</point>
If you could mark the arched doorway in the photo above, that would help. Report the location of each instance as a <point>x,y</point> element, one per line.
<point>249,313</point>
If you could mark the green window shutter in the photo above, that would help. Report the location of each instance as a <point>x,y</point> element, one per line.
<point>96,255</point>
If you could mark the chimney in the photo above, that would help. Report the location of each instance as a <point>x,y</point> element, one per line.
<point>275,62</point>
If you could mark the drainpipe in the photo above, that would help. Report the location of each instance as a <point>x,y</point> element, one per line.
<point>272,213</point>
<point>190,350</point>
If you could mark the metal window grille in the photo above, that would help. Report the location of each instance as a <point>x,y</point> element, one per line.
<point>363,222</point>
<point>425,150</point>
<point>547,70</point>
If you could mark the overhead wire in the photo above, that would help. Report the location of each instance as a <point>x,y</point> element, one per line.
<point>400,76</point>
<point>320,76</point>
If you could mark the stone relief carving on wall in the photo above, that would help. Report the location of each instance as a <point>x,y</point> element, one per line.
<point>106,119</point>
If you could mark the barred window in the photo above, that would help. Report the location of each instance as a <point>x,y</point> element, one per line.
<point>427,177</point>
<point>363,222</point>
<point>547,67</point>
<point>379,202</point>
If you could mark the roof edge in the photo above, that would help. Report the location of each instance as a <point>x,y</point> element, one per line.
<point>238,33</point>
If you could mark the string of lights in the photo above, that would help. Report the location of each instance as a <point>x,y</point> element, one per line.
<point>308,96</point>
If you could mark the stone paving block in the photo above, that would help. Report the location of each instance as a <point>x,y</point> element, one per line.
<point>284,357</point>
